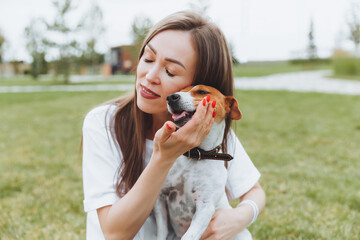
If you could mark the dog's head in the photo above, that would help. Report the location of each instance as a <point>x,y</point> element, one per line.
<point>182,105</point>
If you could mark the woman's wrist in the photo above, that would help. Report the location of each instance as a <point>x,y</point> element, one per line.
<point>162,161</point>
<point>254,207</point>
<point>244,214</point>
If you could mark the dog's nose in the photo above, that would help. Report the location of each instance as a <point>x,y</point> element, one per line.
<point>172,98</point>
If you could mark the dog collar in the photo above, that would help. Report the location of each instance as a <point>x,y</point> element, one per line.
<point>198,153</point>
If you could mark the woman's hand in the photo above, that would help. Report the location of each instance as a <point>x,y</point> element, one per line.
<point>170,144</point>
<point>225,224</point>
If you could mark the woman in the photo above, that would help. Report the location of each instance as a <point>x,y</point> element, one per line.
<point>130,144</point>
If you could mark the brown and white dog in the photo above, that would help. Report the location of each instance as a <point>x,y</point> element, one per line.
<point>195,188</point>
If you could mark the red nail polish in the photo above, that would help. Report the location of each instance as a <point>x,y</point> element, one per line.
<point>213,104</point>
<point>204,102</point>
<point>214,113</point>
<point>168,126</point>
<point>208,98</point>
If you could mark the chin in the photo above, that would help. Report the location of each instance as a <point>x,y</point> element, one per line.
<point>149,108</point>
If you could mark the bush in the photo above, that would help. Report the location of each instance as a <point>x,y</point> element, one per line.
<point>310,61</point>
<point>346,66</point>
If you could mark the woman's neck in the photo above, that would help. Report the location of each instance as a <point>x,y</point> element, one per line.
<point>158,121</point>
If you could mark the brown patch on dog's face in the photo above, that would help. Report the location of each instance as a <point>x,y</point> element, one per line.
<point>225,105</point>
<point>182,105</point>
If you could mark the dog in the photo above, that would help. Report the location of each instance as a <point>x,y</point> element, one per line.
<point>195,187</point>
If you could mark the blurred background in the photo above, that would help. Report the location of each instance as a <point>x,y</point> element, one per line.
<point>297,71</point>
<point>80,37</point>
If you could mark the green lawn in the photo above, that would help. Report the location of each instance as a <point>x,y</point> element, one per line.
<point>46,80</point>
<point>267,68</point>
<point>306,146</point>
<point>347,77</point>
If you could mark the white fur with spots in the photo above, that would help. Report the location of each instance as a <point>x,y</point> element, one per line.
<point>193,189</point>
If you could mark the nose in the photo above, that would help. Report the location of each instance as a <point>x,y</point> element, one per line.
<point>173,98</point>
<point>153,75</point>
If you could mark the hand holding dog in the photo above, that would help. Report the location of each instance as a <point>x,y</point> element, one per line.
<point>224,225</point>
<point>170,144</point>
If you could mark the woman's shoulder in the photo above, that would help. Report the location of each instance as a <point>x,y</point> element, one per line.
<point>105,109</point>
<point>100,115</point>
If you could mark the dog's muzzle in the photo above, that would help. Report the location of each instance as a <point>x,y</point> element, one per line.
<point>177,107</point>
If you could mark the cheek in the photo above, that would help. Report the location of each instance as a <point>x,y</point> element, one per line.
<point>175,84</point>
<point>141,68</point>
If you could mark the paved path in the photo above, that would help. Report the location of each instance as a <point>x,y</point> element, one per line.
<point>311,81</point>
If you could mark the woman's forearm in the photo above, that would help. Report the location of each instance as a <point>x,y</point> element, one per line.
<point>124,219</point>
<point>246,212</point>
<point>257,195</point>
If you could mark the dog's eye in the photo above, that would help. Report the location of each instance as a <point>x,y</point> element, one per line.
<point>201,92</point>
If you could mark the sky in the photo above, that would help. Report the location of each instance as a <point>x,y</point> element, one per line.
<point>259,30</point>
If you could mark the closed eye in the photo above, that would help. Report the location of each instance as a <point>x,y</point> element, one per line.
<point>148,60</point>
<point>201,92</point>
<point>169,73</point>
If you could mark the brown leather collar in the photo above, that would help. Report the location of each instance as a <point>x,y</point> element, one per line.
<point>198,153</point>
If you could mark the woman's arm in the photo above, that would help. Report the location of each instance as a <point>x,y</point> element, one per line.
<point>124,219</point>
<point>257,195</point>
<point>226,223</point>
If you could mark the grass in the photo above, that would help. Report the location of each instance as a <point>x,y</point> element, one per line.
<point>306,145</point>
<point>267,68</point>
<point>47,80</point>
<point>347,77</point>
<point>346,68</point>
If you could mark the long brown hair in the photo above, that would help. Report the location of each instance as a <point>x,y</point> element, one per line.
<point>213,68</point>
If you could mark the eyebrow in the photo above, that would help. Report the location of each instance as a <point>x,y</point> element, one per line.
<point>166,59</point>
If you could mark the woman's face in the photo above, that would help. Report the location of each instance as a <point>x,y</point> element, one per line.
<point>167,66</point>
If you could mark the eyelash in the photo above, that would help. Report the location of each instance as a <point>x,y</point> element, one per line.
<point>201,92</point>
<point>167,71</point>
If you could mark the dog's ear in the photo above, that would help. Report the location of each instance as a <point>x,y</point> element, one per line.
<point>233,108</point>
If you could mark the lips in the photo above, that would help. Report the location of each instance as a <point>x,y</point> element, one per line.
<point>147,93</point>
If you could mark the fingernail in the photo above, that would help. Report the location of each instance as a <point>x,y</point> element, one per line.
<point>204,102</point>
<point>168,126</point>
<point>208,98</point>
<point>213,104</point>
<point>214,113</point>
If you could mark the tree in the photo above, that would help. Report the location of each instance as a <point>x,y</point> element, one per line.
<point>92,25</point>
<point>61,38</point>
<point>89,56</point>
<point>200,6</point>
<point>353,22</point>
<point>2,40</point>
<point>234,59</point>
<point>311,50</point>
<point>139,29</point>
<point>34,34</point>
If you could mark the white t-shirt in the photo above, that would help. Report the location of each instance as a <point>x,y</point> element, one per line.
<point>101,160</point>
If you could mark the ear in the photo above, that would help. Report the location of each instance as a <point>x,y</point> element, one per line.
<point>233,108</point>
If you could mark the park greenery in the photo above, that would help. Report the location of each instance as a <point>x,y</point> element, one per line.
<point>59,41</point>
<point>61,47</point>
<point>304,144</point>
